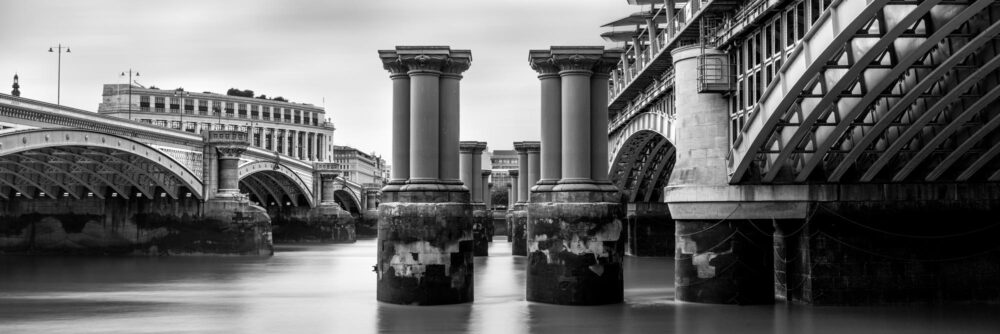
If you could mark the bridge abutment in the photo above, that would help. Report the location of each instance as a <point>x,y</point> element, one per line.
<point>425,244</point>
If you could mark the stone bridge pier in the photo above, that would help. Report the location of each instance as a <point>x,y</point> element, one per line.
<point>425,242</point>
<point>336,223</point>
<point>528,171</point>
<point>575,217</point>
<point>224,202</point>
<point>471,169</point>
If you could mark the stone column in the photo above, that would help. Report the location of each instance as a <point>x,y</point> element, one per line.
<point>551,120</point>
<point>574,228</point>
<point>229,145</point>
<point>534,166</point>
<point>400,119</point>
<point>512,198</point>
<point>451,75</point>
<point>519,216</point>
<point>471,169</point>
<point>599,120</point>
<point>425,226</point>
<point>336,222</point>
<point>702,146</point>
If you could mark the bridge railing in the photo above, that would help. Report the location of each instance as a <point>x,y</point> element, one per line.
<point>94,121</point>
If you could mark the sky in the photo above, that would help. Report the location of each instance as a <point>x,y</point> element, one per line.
<point>321,52</point>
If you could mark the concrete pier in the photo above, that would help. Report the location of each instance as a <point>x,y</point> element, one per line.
<point>574,227</point>
<point>425,243</point>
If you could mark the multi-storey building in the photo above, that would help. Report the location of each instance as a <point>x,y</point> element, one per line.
<point>361,167</point>
<point>502,161</point>
<point>295,129</point>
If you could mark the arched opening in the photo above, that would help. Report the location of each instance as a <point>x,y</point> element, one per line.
<point>641,169</point>
<point>348,202</point>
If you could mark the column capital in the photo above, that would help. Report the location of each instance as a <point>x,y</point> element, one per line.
<point>471,147</point>
<point>541,61</point>
<point>391,63</point>
<point>608,62</point>
<point>487,172</point>
<point>229,144</point>
<point>527,146</point>
<point>512,172</point>
<point>455,65</point>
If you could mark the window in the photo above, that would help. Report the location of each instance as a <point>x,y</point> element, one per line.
<point>158,106</point>
<point>144,103</point>
<point>254,111</point>
<point>175,103</point>
<point>229,109</point>
<point>216,107</point>
<point>242,110</point>
<point>267,113</point>
<point>188,106</point>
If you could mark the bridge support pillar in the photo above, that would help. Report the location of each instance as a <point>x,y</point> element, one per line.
<point>335,222</point>
<point>471,168</point>
<point>574,228</point>
<point>226,203</point>
<point>367,227</point>
<point>717,260</point>
<point>425,246</point>
<point>528,171</point>
<point>512,206</point>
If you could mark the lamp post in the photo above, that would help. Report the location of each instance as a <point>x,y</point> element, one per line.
<point>59,49</point>
<point>180,105</point>
<point>129,91</point>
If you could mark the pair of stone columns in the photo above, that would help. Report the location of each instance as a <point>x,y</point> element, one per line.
<point>529,169</point>
<point>425,220</point>
<point>474,178</point>
<point>574,213</point>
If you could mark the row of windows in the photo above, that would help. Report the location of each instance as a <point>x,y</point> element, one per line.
<point>761,53</point>
<point>195,106</point>
<point>266,138</point>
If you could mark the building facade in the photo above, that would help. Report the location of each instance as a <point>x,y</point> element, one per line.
<point>297,130</point>
<point>361,167</point>
<point>502,161</point>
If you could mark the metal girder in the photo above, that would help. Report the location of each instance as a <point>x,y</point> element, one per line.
<point>932,78</point>
<point>79,166</point>
<point>662,172</point>
<point>628,155</point>
<point>16,187</point>
<point>285,171</point>
<point>254,182</point>
<point>33,183</point>
<point>964,148</point>
<point>25,169</point>
<point>86,183</point>
<point>948,130</point>
<point>837,25</point>
<point>140,167</point>
<point>647,168</point>
<point>286,187</point>
<point>858,73</point>
<point>255,190</point>
<point>926,116</point>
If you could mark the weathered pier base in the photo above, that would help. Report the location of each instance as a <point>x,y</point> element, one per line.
<point>724,262</point>
<point>425,244</point>
<point>575,249</point>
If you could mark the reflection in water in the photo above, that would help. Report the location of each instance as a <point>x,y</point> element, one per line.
<point>331,288</point>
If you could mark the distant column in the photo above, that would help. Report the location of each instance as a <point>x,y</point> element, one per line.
<point>477,169</point>
<point>534,165</point>
<point>522,168</point>
<point>514,184</point>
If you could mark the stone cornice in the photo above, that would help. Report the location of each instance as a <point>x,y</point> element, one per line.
<point>512,172</point>
<point>541,62</point>
<point>487,172</point>
<point>423,62</point>
<point>527,146</point>
<point>473,147</point>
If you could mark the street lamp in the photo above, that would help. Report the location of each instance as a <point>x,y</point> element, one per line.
<point>180,106</point>
<point>129,91</point>
<point>59,69</point>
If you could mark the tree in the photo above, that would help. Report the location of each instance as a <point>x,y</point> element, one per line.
<point>262,96</point>
<point>279,98</point>
<point>499,197</point>
<point>241,93</point>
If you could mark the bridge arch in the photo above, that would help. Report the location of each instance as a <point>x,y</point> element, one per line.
<point>642,166</point>
<point>67,158</point>
<point>271,182</point>
<point>348,199</point>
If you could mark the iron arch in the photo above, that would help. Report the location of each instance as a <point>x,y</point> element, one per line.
<point>268,179</point>
<point>64,158</point>
<point>643,165</point>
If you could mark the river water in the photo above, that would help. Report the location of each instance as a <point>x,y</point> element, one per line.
<point>331,289</point>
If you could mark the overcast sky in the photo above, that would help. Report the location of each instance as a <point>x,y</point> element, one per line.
<point>303,50</point>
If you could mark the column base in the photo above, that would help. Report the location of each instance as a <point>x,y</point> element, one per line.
<point>576,249</point>
<point>724,262</point>
<point>425,248</point>
<point>481,220</point>
<point>519,230</point>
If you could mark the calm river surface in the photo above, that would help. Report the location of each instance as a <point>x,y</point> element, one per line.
<point>331,289</point>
